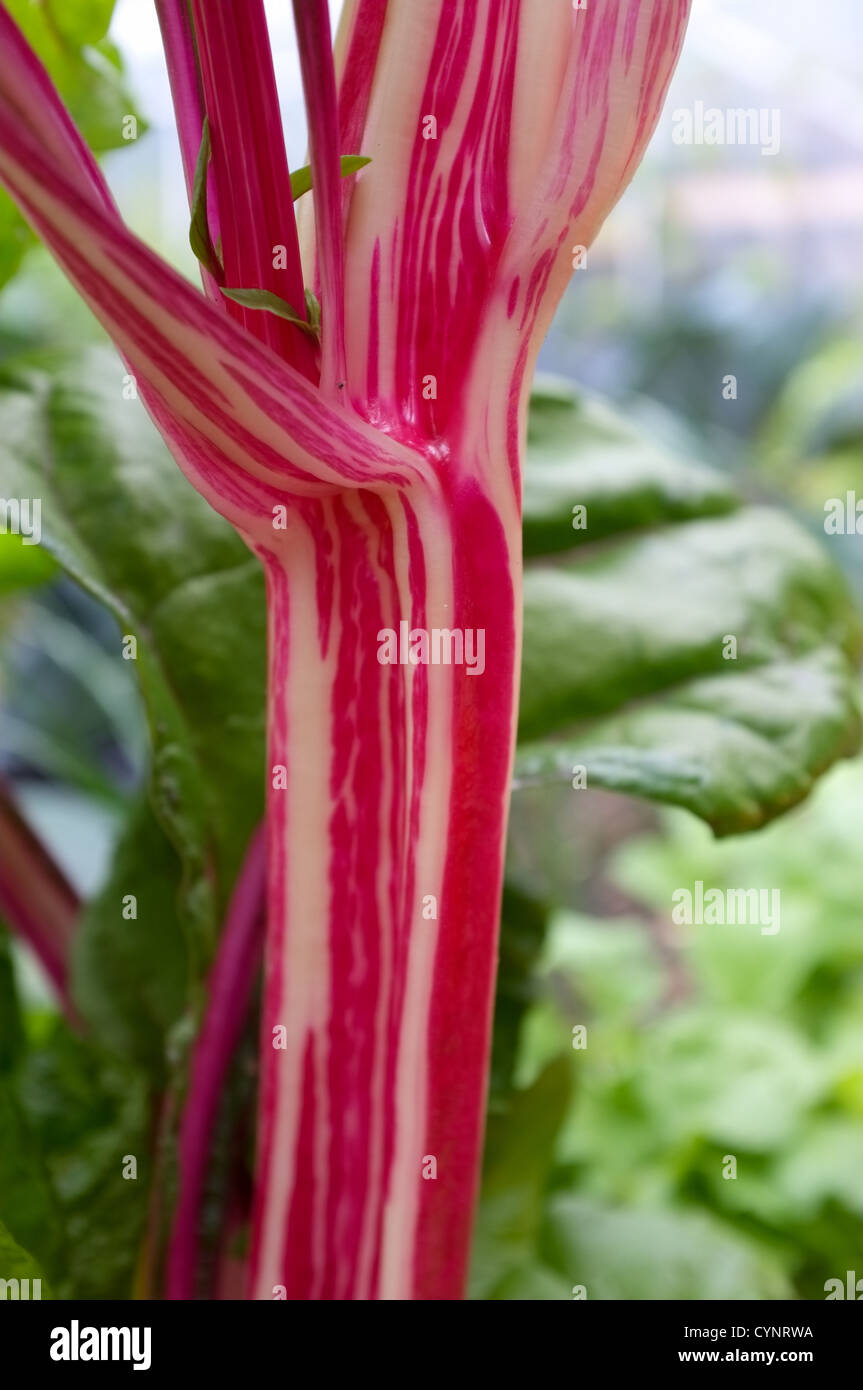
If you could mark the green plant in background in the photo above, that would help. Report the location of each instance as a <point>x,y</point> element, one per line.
<point>703,1045</point>
<point>607,1164</point>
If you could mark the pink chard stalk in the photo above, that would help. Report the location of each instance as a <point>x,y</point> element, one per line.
<point>366,441</point>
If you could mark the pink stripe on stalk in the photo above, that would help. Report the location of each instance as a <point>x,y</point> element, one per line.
<point>229,989</point>
<point>312,20</point>
<point>184,75</point>
<point>612,91</point>
<point>200,375</point>
<point>536,115</point>
<point>396,795</point>
<point>250,171</point>
<point>30,93</point>
<point>178,41</point>
<point>357,47</point>
<point>462,991</point>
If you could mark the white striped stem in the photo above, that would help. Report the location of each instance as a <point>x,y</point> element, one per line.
<point>386,851</point>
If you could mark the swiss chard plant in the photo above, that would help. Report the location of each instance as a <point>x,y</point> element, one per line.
<point>351,393</point>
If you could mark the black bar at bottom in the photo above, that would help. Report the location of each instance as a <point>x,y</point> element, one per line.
<point>87,1340</point>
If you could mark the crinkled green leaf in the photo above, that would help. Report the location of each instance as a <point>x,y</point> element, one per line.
<point>71,40</point>
<point>580,453</point>
<point>615,975</point>
<point>88,1115</point>
<point>628,670</point>
<point>633,620</point>
<point>824,1167</point>
<point>734,749</point>
<point>28,1203</point>
<point>105,705</point>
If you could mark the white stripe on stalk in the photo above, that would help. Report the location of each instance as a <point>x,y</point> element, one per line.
<point>401,1212</point>
<point>305,1002</point>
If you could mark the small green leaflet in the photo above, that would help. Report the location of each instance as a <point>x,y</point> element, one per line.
<point>202,244</point>
<point>301,179</point>
<point>313,311</point>
<point>265,299</point>
<point>199,232</point>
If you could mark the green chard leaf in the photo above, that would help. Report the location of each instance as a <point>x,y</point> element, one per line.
<point>654,1253</point>
<point>679,646</point>
<point>87,1119</point>
<point>130,968</point>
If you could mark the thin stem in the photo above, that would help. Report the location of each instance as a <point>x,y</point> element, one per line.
<point>250,177</point>
<point>229,990</point>
<point>312,21</point>
<point>184,75</point>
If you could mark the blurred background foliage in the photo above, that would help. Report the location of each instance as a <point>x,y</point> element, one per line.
<point>605,1163</point>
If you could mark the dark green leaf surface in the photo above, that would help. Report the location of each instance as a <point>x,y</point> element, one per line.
<point>87,1114</point>
<point>121,519</point>
<point>735,750</point>
<point>627,669</point>
<point>130,973</point>
<point>28,1204</point>
<point>582,454</point>
<point>71,1118</point>
<point>522,931</point>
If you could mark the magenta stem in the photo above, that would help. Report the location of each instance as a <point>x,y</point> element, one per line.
<point>312,22</point>
<point>228,992</point>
